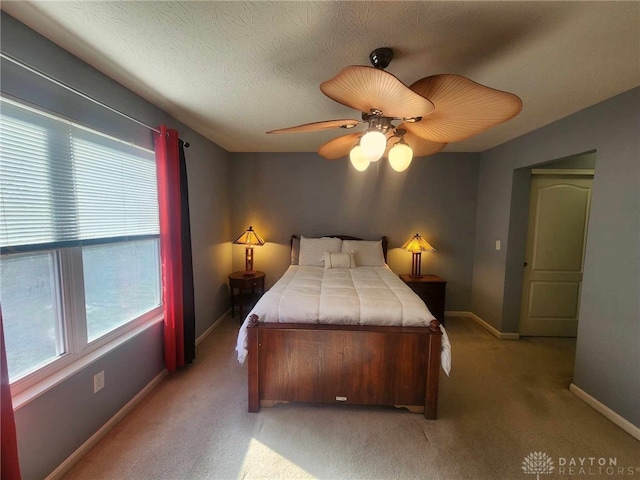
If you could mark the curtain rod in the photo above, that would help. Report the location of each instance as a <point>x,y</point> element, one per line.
<point>76,91</point>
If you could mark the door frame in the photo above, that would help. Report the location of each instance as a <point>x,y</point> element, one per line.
<point>517,235</point>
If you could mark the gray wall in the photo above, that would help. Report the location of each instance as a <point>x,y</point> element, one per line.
<point>585,161</point>
<point>608,349</point>
<point>52,426</point>
<point>55,424</point>
<point>294,193</point>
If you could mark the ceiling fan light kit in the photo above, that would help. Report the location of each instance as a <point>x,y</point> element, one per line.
<point>373,144</point>
<point>429,114</point>
<point>359,161</point>
<point>400,156</point>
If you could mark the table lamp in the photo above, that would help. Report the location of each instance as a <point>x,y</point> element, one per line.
<point>249,238</point>
<point>417,245</point>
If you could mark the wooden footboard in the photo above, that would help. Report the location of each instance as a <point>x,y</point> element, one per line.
<point>366,365</point>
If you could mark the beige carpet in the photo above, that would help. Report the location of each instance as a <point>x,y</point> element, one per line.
<point>503,401</point>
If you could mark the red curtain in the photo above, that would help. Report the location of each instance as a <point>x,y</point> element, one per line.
<point>9,466</point>
<point>168,172</point>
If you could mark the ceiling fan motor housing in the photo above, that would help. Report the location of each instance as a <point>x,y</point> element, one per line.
<point>378,122</point>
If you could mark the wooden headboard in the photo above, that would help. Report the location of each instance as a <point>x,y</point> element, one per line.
<point>347,237</point>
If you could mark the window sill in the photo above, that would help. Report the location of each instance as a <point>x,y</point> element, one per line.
<point>24,397</point>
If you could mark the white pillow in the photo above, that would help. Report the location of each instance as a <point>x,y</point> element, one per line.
<point>312,249</point>
<point>339,260</point>
<point>368,253</point>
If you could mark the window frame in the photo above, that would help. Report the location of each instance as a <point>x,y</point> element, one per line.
<point>77,350</point>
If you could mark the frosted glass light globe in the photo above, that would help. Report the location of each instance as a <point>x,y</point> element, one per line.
<point>373,144</point>
<point>359,161</point>
<point>400,157</point>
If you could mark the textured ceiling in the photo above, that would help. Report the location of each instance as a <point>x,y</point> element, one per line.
<point>233,70</point>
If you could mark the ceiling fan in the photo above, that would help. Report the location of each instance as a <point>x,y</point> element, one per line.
<point>402,121</point>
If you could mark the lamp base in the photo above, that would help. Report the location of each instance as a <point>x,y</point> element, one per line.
<point>248,262</point>
<point>415,266</point>
<point>415,276</point>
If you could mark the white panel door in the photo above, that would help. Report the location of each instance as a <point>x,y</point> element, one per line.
<point>558,220</point>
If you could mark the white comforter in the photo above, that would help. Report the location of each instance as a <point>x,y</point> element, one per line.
<point>353,296</point>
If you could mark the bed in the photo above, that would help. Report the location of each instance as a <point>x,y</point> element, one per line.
<point>340,327</point>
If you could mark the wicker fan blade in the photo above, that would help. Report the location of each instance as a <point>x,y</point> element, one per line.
<point>464,108</point>
<point>315,126</point>
<point>420,146</point>
<point>367,88</point>
<point>339,147</point>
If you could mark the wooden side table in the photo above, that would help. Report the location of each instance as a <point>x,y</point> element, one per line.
<point>431,289</point>
<point>245,290</point>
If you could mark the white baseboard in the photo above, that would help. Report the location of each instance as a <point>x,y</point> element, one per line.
<point>621,422</point>
<point>65,466</point>
<point>494,331</point>
<point>215,325</point>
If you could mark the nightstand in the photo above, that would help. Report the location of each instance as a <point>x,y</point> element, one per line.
<point>245,291</point>
<point>431,289</point>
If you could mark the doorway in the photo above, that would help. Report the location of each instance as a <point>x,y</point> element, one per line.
<point>554,256</point>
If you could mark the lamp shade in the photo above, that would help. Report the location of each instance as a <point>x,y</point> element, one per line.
<point>418,244</point>
<point>249,237</point>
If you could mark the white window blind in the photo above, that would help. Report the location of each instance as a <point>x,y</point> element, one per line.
<point>62,185</point>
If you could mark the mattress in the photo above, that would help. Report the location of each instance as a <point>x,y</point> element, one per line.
<point>342,296</point>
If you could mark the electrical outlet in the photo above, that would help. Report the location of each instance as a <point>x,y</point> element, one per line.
<point>98,381</point>
<point>497,244</point>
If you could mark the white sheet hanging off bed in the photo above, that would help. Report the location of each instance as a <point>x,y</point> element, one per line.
<point>344,296</point>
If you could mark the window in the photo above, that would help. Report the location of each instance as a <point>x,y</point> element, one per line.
<point>79,247</point>
<point>30,310</point>
<point>120,283</point>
